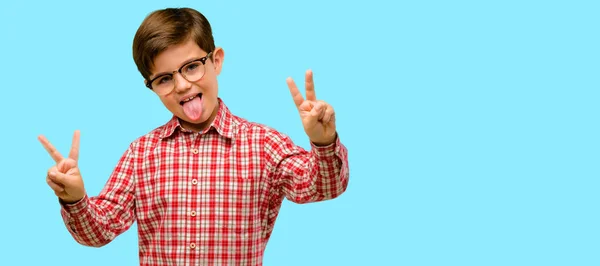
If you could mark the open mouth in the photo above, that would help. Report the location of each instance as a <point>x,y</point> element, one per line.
<point>191,98</point>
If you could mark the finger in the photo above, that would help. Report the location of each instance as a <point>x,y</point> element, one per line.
<point>54,168</point>
<point>322,110</point>
<point>66,165</point>
<point>310,86</point>
<point>54,186</point>
<point>331,121</point>
<point>56,156</point>
<point>296,95</point>
<point>74,153</point>
<point>306,106</point>
<point>72,170</point>
<point>61,167</point>
<point>329,114</point>
<point>317,112</point>
<point>57,177</point>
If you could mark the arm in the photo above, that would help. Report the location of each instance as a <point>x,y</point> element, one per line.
<point>307,176</point>
<point>323,172</point>
<point>92,221</point>
<point>96,221</point>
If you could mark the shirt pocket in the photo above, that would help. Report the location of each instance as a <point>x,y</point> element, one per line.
<point>240,199</point>
<point>245,235</point>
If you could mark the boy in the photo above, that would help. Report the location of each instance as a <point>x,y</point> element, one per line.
<point>206,187</point>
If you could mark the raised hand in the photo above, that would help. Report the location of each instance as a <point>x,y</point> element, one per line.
<point>64,178</point>
<point>318,117</point>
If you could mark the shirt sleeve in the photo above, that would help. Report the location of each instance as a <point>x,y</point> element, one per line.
<point>96,221</point>
<point>307,176</point>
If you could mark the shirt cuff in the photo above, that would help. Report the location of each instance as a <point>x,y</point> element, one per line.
<point>74,208</point>
<point>326,151</point>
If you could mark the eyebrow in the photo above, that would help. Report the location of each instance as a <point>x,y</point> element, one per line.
<point>168,73</point>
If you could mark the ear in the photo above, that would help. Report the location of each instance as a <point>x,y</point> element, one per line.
<point>146,84</point>
<point>218,56</point>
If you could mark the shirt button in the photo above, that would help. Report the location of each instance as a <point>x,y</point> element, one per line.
<point>193,245</point>
<point>194,181</point>
<point>192,213</point>
<point>195,151</point>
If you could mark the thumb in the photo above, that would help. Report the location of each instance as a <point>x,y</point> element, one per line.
<point>57,177</point>
<point>316,113</point>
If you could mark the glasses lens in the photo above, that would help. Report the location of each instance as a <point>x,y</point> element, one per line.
<point>193,71</point>
<point>163,84</point>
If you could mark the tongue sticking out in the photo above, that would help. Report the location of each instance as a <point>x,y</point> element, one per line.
<point>193,108</point>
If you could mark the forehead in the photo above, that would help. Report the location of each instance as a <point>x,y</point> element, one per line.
<point>175,55</point>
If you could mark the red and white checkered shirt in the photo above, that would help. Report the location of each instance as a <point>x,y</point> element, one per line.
<point>208,198</point>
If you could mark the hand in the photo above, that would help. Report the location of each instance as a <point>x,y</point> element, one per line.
<point>318,117</point>
<point>64,178</point>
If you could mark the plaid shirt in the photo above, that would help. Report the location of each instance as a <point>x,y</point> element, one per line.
<point>208,198</point>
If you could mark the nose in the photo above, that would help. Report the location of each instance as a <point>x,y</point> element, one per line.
<point>181,84</point>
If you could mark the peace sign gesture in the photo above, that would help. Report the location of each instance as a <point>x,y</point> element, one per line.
<point>318,117</point>
<point>64,178</point>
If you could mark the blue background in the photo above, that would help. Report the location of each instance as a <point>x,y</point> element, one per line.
<point>472,126</point>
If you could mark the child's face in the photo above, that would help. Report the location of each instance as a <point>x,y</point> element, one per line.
<point>195,102</point>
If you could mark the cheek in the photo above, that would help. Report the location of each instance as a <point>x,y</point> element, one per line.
<point>208,86</point>
<point>213,85</point>
<point>169,103</point>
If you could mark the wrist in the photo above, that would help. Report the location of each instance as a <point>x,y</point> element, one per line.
<point>74,207</point>
<point>324,142</point>
<point>71,200</point>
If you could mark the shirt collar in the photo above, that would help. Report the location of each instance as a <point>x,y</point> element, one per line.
<point>223,123</point>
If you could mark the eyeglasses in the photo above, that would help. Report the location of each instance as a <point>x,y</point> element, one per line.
<point>191,71</point>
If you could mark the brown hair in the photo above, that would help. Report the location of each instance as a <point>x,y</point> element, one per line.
<point>167,27</point>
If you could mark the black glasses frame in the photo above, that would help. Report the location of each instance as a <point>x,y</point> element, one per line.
<point>201,60</point>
